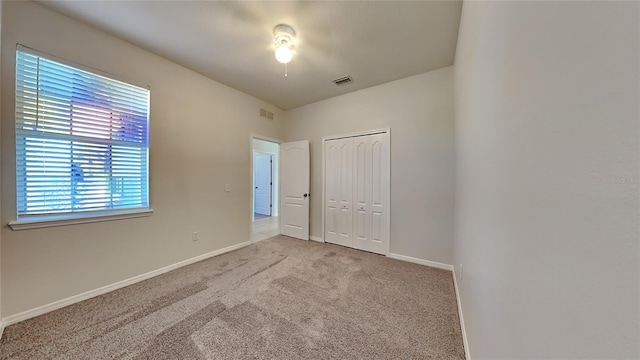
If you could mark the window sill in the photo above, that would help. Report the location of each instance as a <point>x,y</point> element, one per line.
<point>60,220</point>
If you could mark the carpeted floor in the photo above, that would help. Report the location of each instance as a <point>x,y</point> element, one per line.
<point>278,299</point>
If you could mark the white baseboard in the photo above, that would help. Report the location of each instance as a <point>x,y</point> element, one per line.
<point>316,238</point>
<point>464,332</point>
<point>421,261</point>
<point>9,320</point>
<point>2,325</point>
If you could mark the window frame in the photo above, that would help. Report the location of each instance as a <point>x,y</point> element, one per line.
<point>30,221</point>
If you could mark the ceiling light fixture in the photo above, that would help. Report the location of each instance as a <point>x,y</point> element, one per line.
<point>283,36</point>
<point>284,54</point>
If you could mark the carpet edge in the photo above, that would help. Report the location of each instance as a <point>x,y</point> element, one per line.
<point>43,309</point>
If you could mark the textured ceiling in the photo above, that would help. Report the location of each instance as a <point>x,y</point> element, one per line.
<point>232,42</point>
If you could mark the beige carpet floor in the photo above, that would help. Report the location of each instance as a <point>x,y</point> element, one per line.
<point>277,299</point>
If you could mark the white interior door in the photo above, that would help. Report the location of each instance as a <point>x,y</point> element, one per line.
<point>371,193</point>
<point>294,186</point>
<point>338,207</point>
<point>262,183</point>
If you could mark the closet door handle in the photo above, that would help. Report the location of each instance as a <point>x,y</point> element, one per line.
<point>305,195</point>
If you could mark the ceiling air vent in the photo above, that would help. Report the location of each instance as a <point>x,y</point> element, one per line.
<point>266,114</point>
<point>343,80</point>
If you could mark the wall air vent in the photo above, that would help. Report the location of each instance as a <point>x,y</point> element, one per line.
<point>343,80</point>
<point>266,114</point>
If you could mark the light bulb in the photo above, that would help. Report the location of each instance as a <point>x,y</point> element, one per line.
<point>284,54</point>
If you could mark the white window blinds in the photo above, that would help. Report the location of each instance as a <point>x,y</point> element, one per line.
<point>82,140</point>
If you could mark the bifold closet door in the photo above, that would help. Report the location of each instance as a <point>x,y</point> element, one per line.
<point>370,192</point>
<point>357,192</point>
<point>339,186</point>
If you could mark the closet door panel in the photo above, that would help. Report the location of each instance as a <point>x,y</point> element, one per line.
<point>361,169</point>
<point>331,193</point>
<point>345,191</point>
<point>338,193</point>
<point>377,227</point>
<point>360,225</point>
<point>331,217</point>
<point>375,204</point>
<point>361,190</point>
<point>379,193</point>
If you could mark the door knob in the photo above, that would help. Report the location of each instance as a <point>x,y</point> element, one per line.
<point>256,187</point>
<point>305,195</point>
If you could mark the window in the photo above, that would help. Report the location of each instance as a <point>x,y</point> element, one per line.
<point>82,142</point>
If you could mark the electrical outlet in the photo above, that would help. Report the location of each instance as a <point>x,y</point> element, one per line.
<point>460,271</point>
<point>227,187</point>
<point>195,236</point>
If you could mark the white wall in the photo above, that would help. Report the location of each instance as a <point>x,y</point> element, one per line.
<point>199,134</point>
<point>273,149</point>
<point>419,111</point>
<point>547,179</point>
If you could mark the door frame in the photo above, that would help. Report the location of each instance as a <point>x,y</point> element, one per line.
<point>388,199</point>
<point>253,136</point>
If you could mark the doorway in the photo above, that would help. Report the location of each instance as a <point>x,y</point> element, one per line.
<point>265,180</point>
